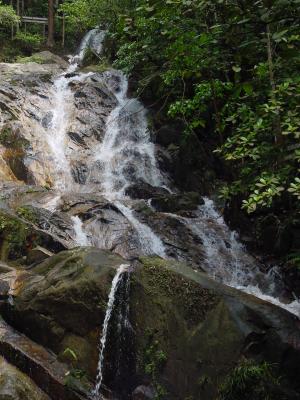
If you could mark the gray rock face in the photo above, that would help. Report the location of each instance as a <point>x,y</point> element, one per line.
<point>24,151</point>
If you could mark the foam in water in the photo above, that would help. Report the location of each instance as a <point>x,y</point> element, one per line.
<point>126,156</point>
<point>56,132</point>
<point>109,309</point>
<point>80,236</point>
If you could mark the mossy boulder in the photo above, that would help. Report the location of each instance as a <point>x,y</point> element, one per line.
<point>191,332</point>
<point>185,335</point>
<point>62,303</point>
<point>19,235</point>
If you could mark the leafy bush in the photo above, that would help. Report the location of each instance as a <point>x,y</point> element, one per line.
<point>7,15</point>
<point>28,42</point>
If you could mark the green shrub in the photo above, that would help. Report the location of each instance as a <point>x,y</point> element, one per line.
<point>250,381</point>
<point>28,42</point>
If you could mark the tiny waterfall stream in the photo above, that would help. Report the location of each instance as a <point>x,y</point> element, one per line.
<point>110,306</point>
<point>125,156</point>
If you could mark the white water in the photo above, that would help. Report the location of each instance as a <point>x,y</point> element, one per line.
<point>228,261</point>
<point>56,133</point>
<point>109,309</point>
<point>63,106</point>
<point>126,153</point>
<point>80,236</point>
<point>150,243</point>
<point>93,40</point>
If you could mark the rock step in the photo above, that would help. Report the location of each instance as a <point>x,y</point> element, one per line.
<point>38,363</point>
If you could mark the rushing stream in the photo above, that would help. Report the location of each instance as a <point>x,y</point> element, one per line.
<point>126,156</point>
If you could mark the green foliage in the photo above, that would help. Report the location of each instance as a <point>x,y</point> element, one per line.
<point>28,42</point>
<point>13,236</point>
<point>249,381</point>
<point>70,353</point>
<point>293,260</point>
<point>27,214</point>
<point>154,361</point>
<point>7,16</point>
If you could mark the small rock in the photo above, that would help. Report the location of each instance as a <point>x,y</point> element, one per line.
<point>143,393</point>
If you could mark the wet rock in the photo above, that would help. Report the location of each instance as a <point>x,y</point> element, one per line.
<point>38,364</point>
<point>144,393</point>
<point>62,303</point>
<point>143,190</point>
<point>216,327</point>
<point>93,102</point>
<point>177,202</point>
<point>80,173</point>
<point>38,254</point>
<point>14,385</point>
<point>171,228</point>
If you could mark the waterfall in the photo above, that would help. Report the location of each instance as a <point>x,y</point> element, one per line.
<point>109,310</point>
<point>150,243</point>
<point>127,153</point>
<point>92,40</point>
<point>80,236</point>
<point>63,106</point>
<point>227,260</point>
<point>125,157</point>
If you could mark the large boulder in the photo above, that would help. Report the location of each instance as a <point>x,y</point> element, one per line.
<point>182,333</point>
<point>14,385</point>
<point>61,303</point>
<point>191,332</point>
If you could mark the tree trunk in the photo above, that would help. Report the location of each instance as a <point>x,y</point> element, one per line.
<point>50,41</point>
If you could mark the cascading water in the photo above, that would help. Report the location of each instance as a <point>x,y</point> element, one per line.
<point>121,158</point>
<point>60,114</point>
<point>80,236</point>
<point>109,310</point>
<point>228,261</point>
<point>126,156</point>
<point>126,153</point>
<point>150,243</point>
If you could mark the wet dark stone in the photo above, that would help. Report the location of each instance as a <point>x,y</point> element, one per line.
<point>142,190</point>
<point>177,202</point>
